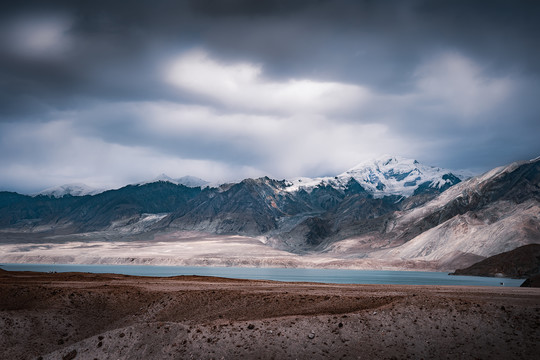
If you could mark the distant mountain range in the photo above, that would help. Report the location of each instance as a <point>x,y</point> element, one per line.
<point>384,176</point>
<point>389,208</point>
<point>79,189</point>
<point>75,189</point>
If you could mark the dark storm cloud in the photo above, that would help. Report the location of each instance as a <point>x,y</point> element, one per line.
<point>250,8</point>
<point>453,83</point>
<point>373,42</point>
<point>380,42</point>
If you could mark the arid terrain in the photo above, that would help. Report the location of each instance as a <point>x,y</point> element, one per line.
<point>184,248</point>
<point>90,316</point>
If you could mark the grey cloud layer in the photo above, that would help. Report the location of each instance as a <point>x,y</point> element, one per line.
<point>230,89</point>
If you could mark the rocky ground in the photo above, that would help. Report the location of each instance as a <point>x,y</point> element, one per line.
<point>91,316</point>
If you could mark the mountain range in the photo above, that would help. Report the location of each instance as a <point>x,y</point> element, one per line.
<point>80,189</point>
<point>383,176</point>
<point>389,209</point>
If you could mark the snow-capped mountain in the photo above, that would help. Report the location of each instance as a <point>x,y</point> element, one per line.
<point>386,175</point>
<point>383,176</point>
<point>189,181</point>
<point>75,189</point>
<point>80,189</point>
<point>192,181</point>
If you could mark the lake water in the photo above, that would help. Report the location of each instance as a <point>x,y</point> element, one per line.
<point>279,274</point>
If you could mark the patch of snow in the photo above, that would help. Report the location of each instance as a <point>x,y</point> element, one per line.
<point>189,181</point>
<point>75,189</point>
<point>192,181</point>
<point>144,223</point>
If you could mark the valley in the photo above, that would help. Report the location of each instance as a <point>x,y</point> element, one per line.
<point>336,222</point>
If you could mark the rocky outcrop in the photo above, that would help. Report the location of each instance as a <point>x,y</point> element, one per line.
<point>533,281</point>
<point>520,263</point>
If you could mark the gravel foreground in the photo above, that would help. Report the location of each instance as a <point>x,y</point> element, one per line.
<point>105,316</point>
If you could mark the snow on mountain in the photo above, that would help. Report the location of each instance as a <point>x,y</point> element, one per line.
<point>160,177</point>
<point>75,189</point>
<point>383,176</point>
<point>189,181</point>
<point>192,181</point>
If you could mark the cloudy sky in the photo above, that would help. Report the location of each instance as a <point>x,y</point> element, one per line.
<point>112,92</point>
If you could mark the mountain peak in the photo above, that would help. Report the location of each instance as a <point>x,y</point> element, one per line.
<point>192,181</point>
<point>386,161</point>
<point>189,181</point>
<point>386,175</point>
<point>163,177</point>
<point>73,189</point>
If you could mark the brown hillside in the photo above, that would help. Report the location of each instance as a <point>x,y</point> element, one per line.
<point>522,262</point>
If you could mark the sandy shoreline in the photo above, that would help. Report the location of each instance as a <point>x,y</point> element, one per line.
<point>105,316</point>
<point>185,249</point>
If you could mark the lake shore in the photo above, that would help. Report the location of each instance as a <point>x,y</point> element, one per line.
<point>106,316</point>
<point>183,248</point>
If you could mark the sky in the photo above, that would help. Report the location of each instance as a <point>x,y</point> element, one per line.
<point>108,93</point>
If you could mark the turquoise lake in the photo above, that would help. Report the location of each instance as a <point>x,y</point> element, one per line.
<point>279,274</point>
